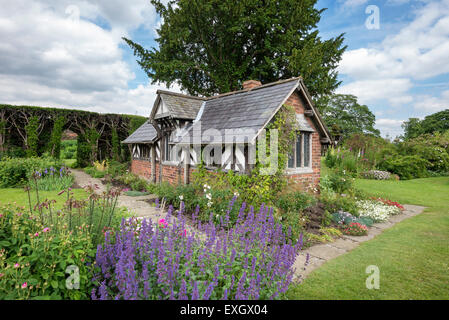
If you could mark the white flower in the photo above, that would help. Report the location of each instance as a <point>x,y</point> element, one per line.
<point>236,194</point>
<point>209,204</point>
<point>181,197</point>
<point>376,210</point>
<point>209,196</point>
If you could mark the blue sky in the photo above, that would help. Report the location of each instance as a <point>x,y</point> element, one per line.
<point>64,53</point>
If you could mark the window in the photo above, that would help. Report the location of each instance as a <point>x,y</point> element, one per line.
<point>167,149</point>
<point>171,150</point>
<point>141,151</point>
<point>301,153</point>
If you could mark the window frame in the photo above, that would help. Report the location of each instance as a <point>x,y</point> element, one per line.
<point>302,168</point>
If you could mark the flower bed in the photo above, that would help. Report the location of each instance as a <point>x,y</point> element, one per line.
<point>356,229</point>
<point>168,260</point>
<point>376,210</point>
<point>376,174</point>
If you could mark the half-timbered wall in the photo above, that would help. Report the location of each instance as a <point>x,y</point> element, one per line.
<point>228,157</point>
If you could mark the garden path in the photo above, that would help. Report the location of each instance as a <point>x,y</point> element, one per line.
<point>319,254</point>
<point>137,205</point>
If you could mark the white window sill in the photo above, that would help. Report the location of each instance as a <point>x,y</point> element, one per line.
<point>299,170</point>
<point>170,163</point>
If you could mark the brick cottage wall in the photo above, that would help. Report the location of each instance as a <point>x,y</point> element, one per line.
<point>306,180</point>
<point>170,173</point>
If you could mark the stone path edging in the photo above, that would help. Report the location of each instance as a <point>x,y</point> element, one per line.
<point>319,254</point>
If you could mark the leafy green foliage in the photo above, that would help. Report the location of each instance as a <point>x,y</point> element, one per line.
<point>82,152</point>
<point>211,46</point>
<point>94,172</point>
<point>53,179</point>
<point>68,149</point>
<point>407,167</point>
<point>32,142</point>
<point>344,116</point>
<point>437,122</point>
<point>294,201</point>
<point>17,171</point>
<point>54,145</point>
<point>115,145</point>
<point>34,257</point>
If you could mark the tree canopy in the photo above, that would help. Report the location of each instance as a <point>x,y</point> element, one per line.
<point>437,122</point>
<point>344,116</point>
<point>212,46</point>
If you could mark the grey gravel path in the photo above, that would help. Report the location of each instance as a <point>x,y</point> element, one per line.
<point>136,205</point>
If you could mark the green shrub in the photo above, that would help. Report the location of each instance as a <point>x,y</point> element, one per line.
<point>294,201</point>
<point>407,167</point>
<point>116,168</point>
<point>35,256</point>
<point>135,193</point>
<point>336,203</point>
<point>94,172</point>
<point>340,181</point>
<point>68,149</point>
<point>39,244</point>
<point>52,179</point>
<point>17,171</point>
<point>135,182</point>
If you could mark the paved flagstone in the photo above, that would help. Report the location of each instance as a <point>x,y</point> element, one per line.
<point>313,257</point>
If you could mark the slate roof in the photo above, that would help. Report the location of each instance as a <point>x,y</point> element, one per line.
<point>234,117</point>
<point>245,112</point>
<point>181,106</point>
<point>303,123</point>
<point>146,133</point>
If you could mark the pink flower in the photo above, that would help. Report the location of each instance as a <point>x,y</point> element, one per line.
<point>24,285</point>
<point>36,234</point>
<point>163,223</point>
<point>1,275</point>
<point>46,229</point>
<point>16,265</point>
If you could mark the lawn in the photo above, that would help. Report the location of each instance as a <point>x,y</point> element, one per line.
<point>18,195</point>
<point>412,256</point>
<point>69,162</point>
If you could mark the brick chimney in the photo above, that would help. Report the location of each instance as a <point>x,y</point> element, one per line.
<point>249,84</point>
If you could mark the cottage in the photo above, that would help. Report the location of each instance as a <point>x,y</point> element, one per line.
<point>223,130</point>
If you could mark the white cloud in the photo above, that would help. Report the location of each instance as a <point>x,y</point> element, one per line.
<point>431,104</point>
<point>354,3</point>
<point>389,127</point>
<point>49,57</point>
<point>419,51</point>
<point>392,89</point>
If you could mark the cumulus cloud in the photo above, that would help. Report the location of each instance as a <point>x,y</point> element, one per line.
<point>395,91</point>
<point>354,3</point>
<point>389,127</point>
<point>431,104</point>
<point>54,53</point>
<point>419,51</point>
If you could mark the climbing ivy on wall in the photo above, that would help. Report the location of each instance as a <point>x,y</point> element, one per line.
<point>258,186</point>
